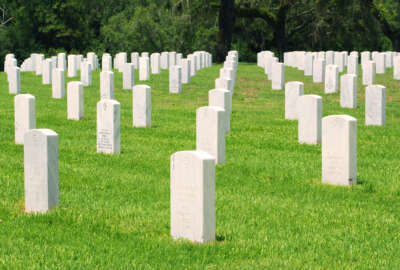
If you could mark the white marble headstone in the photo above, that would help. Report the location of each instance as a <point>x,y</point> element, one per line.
<point>108,126</point>
<point>309,111</point>
<point>141,106</point>
<point>339,150</point>
<point>75,108</point>
<point>348,90</point>
<point>24,116</point>
<point>293,90</point>
<point>375,105</point>
<point>175,79</point>
<point>331,79</point>
<point>41,170</point>
<point>210,132</point>
<point>192,196</point>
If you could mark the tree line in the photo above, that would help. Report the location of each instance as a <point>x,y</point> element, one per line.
<point>217,26</point>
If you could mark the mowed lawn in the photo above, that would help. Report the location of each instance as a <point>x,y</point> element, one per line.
<point>271,209</point>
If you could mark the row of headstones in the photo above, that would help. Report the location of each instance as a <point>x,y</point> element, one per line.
<point>337,133</point>
<point>52,69</point>
<point>192,172</point>
<point>192,179</point>
<point>348,82</point>
<point>325,66</point>
<point>34,140</point>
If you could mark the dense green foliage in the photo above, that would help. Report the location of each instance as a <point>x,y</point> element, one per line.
<point>48,26</point>
<point>272,210</point>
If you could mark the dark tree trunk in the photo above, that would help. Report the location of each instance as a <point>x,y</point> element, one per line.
<point>280,38</point>
<point>226,21</point>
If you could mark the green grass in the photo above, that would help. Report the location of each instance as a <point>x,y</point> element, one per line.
<point>272,210</point>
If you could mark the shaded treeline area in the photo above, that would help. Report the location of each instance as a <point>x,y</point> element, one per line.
<point>249,26</point>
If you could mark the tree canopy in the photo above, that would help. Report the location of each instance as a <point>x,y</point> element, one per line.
<point>249,26</point>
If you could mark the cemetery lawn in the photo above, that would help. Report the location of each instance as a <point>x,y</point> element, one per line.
<point>272,210</point>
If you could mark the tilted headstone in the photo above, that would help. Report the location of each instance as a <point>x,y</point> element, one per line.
<point>58,83</point>
<point>331,79</point>
<point>222,98</point>
<point>348,91</point>
<point>75,103</point>
<point>141,106</point>
<point>108,126</point>
<point>339,150</point>
<point>210,132</point>
<point>293,90</point>
<point>144,69</point>
<point>278,76</point>
<point>175,79</point>
<point>128,76</point>
<point>375,105</point>
<point>192,196</point>
<point>24,116</point>
<point>41,170</point>
<point>368,73</point>
<point>309,111</point>
<point>106,85</point>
